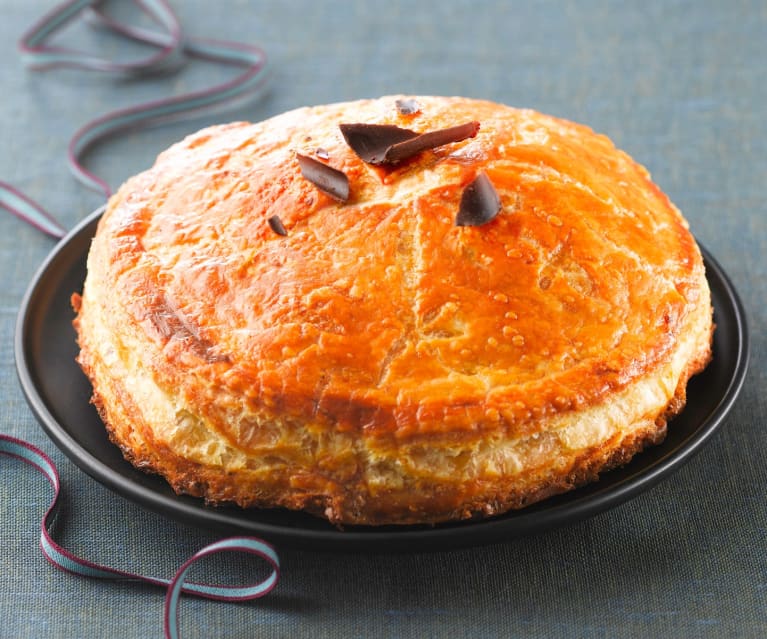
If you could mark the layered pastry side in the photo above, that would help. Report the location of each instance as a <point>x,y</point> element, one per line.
<point>394,311</point>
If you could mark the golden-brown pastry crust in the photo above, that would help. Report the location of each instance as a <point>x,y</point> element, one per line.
<point>379,364</point>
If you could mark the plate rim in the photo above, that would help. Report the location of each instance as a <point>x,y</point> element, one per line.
<point>408,539</point>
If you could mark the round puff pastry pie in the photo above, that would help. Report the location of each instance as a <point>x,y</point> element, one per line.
<point>393,311</point>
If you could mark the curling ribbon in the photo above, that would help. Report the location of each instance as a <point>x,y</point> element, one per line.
<point>171,50</point>
<point>61,558</point>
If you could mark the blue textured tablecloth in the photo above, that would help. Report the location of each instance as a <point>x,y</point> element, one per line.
<point>682,86</point>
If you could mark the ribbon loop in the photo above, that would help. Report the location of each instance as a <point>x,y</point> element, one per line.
<point>65,560</point>
<point>248,545</point>
<point>38,55</point>
<point>172,51</point>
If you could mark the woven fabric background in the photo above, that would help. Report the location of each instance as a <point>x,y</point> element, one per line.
<point>680,85</point>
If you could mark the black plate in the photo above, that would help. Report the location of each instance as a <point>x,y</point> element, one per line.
<point>58,394</point>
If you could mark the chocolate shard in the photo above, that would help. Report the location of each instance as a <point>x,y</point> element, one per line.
<point>407,106</point>
<point>275,223</point>
<point>327,179</point>
<point>371,141</point>
<point>480,202</point>
<point>431,140</point>
<point>389,144</point>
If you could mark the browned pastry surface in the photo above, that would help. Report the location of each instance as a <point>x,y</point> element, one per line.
<point>378,363</point>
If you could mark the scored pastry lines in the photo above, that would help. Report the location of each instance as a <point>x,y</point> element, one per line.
<point>406,261</point>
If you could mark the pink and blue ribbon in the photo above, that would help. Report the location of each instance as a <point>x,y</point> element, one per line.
<point>172,50</point>
<point>175,586</point>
